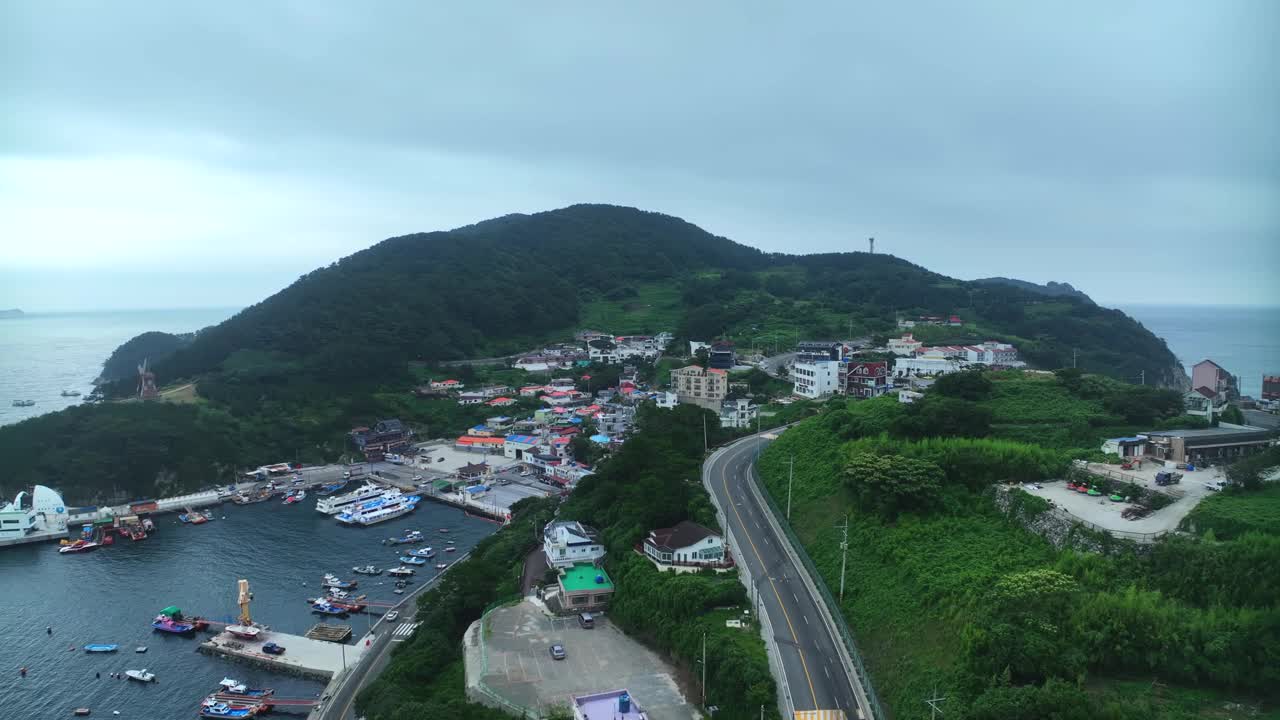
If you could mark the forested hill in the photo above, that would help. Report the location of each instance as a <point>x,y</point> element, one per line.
<point>501,285</point>
<point>1051,288</point>
<point>149,347</point>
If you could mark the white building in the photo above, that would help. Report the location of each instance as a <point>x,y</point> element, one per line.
<point>930,363</point>
<point>905,345</point>
<point>41,511</point>
<point>738,413</point>
<point>687,547</point>
<point>566,543</point>
<point>816,379</point>
<point>667,400</point>
<point>696,345</point>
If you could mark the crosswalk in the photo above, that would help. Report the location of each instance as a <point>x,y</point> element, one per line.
<point>403,631</point>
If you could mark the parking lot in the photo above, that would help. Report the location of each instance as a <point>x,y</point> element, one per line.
<point>510,657</point>
<point>1100,511</point>
<point>454,459</point>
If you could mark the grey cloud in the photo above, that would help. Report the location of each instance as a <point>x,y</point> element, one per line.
<point>973,138</point>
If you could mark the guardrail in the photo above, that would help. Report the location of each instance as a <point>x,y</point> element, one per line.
<point>842,628</point>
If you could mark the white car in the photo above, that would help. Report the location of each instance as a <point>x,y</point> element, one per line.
<point>391,617</point>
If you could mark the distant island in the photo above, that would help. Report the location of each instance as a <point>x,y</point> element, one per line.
<point>11,313</point>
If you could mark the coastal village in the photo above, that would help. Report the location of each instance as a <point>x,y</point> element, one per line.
<point>541,439</point>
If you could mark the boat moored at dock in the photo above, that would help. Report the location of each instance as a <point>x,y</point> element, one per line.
<point>367,570</point>
<point>79,546</point>
<point>335,504</point>
<point>409,560</point>
<point>401,571</point>
<point>389,505</point>
<point>333,581</point>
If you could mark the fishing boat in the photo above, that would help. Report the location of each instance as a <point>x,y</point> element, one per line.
<point>23,403</point>
<point>324,607</point>
<point>448,542</point>
<point>70,393</point>
<point>79,546</point>
<point>408,560</point>
<point>165,623</point>
<point>101,648</point>
<point>401,571</point>
<point>389,505</point>
<point>294,497</point>
<point>367,570</point>
<point>235,687</point>
<point>353,605</point>
<point>140,675</point>
<point>441,566</point>
<point>333,581</point>
<point>423,552</point>
<point>450,549</point>
<point>331,489</point>
<point>220,709</point>
<point>337,503</point>
<point>444,530</point>
<point>409,537</point>
<point>339,594</point>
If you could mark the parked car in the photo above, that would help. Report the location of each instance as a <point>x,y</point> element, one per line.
<point>273,649</point>
<point>557,652</point>
<point>391,616</point>
<point>585,621</point>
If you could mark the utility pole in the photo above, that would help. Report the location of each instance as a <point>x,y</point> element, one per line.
<point>1073,357</point>
<point>791,475</point>
<point>844,554</point>
<point>704,431</point>
<point>704,668</point>
<point>1143,377</point>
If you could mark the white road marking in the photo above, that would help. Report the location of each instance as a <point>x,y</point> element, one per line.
<point>806,619</point>
<point>828,672</point>
<point>797,599</point>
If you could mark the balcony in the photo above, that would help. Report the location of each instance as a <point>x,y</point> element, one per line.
<point>718,565</point>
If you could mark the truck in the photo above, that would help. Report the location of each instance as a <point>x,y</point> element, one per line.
<point>1166,477</point>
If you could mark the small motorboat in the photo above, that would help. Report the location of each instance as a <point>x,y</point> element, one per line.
<point>401,571</point>
<point>450,549</point>
<point>101,648</point>
<point>140,675</point>
<point>398,591</point>
<point>140,649</point>
<point>235,687</point>
<point>448,542</point>
<point>165,623</point>
<point>424,552</point>
<point>409,560</point>
<point>410,536</point>
<point>295,497</point>
<point>441,566</point>
<point>367,570</point>
<point>444,530</point>
<point>79,546</point>
<point>340,594</point>
<point>333,581</point>
<point>80,712</point>
<point>23,403</point>
<point>70,393</point>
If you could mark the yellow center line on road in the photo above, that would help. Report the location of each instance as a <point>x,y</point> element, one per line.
<point>724,478</point>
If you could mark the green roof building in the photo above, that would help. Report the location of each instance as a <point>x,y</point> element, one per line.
<point>584,587</point>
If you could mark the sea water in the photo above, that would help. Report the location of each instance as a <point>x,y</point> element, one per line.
<point>112,594</point>
<point>1244,340</point>
<point>42,354</point>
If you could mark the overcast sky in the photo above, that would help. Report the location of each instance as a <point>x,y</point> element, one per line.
<point>207,155</point>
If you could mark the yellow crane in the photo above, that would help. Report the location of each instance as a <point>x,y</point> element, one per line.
<point>245,597</point>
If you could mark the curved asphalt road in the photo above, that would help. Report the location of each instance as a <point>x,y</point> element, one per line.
<point>806,647</point>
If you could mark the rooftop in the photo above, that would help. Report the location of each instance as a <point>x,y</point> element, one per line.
<point>605,706</point>
<point>684,534</point>
<point>582,576</point>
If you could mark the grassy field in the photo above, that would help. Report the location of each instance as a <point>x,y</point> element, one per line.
<point>1230,515</point>
<point>654,308</point>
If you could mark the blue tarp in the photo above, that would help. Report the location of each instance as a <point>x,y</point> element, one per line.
<point>476,489</point>
<point>602,439</point>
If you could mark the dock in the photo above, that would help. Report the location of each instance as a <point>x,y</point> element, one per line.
<point>329,633</point>
<point>303,657</point>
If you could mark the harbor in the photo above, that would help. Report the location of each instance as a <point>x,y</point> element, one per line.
<point>111,597</point>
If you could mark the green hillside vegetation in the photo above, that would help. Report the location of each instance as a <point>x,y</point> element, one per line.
<point>122,364</point>
<point>949,597</point>
<point>338,347</point>
<point>1230,515</point>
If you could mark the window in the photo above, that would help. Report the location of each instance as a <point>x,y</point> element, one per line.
<point>580,600</point>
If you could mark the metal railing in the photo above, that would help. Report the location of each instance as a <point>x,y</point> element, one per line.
<point>513,708</point>
<point>842,627</point>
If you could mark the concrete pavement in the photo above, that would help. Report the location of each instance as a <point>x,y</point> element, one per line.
<point>808,649</point>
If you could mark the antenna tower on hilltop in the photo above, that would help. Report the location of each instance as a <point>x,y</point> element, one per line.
<point>146,382</point>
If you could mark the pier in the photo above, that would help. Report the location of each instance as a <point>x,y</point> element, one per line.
<point>303,657</point>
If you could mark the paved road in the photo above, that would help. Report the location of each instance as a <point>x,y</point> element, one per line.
<point>806,647</point>
<point>773,364</point>
<point>341,704</point>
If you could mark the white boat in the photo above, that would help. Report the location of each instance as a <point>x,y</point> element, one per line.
<point>140,675</point>
<point>367,570</point>
<point>246,632</point>
<point>334,504</point>
<point>401,571</point>
<point>338,594</point>
<point>389,505</point>
<point>423,552</point>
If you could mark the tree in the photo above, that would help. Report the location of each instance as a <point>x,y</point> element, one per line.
<point>1232,415</point>
<point>889,485</point>
<point>969,385</point>
<point>940,416</point>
